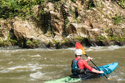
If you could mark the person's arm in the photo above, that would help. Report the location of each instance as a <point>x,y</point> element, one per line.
<point>96,71</point>
<point>93,70</point>
<point>88,59</point>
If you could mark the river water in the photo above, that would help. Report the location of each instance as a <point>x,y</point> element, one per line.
<point>39,65</point>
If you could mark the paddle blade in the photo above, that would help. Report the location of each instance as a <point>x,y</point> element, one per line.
<point>79,46</point>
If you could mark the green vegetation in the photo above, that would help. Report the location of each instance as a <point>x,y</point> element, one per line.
<point>55,0</point>
<point>56,41</point>
<point>100,38</point>
<point>78,38</point>
<point>100,4</point>
<point>73,1</point>
<point>120,3</point>
<point>22,8</point>
<point>7,42</point>
<point>32,42</point>
<point>70,10</point>
<point>29,42</point>
<point>66,22</point>
<point>12,41</point>
<point>1,42</point>
<point>66,40</point>
<point>117,19</point>
<point>89,4</point>
<point>57,5</point>
<point>116,38</point>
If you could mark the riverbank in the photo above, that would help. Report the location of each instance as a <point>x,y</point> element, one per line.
<point>60,24</point>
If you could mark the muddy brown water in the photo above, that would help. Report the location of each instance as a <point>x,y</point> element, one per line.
<point>39,65</point>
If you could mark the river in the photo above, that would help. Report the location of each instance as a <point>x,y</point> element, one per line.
<point>39,65</point>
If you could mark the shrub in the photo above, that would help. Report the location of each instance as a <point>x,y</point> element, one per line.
<point>100,38</point>
<point>120,3</point>
<point>29,42</point>
<point>117,19</point>
<point>1,42</point>
<point>32,42</point>
<point>73,1</point>
<point>13,42</point>
<point>79,38</point>
<point>12,8</point>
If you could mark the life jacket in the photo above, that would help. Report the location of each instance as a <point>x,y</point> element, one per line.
<point>75,66</point>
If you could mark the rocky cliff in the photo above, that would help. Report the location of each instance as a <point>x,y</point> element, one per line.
<point>62,23</point>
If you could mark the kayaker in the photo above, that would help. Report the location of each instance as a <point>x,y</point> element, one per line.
<point>78,65</point>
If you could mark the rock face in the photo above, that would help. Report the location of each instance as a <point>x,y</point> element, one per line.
<point>4,34</point>
<point>61,24</point>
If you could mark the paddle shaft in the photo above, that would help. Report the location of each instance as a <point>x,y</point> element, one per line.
<point>95,65</point>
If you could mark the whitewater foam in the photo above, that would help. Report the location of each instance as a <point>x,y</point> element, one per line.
<point>37,75</point>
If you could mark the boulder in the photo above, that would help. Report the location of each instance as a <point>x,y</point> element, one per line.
<point>25,31</point>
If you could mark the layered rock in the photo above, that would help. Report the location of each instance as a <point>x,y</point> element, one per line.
<point>59,24</point>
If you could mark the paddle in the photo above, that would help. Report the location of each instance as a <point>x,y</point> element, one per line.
<point>79,46</point>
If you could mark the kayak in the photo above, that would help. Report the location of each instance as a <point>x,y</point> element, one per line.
<point>107,69</point>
